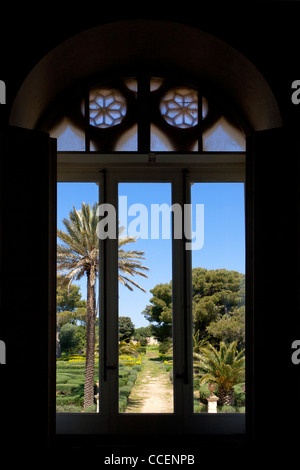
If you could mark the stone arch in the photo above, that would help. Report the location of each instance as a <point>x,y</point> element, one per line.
<point>146,46</point>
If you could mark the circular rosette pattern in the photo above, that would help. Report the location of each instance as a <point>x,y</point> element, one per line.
<point>179,107</point>
<point>107,107</point>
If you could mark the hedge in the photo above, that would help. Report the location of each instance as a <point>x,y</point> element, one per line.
<point>70,385</point>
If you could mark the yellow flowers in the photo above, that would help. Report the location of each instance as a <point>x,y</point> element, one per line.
<point>130,360</point>
<point>124,359</point>
<point>76,358</point>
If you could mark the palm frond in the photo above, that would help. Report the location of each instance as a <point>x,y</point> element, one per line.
<point>78,254</point>
<point>126,282</point>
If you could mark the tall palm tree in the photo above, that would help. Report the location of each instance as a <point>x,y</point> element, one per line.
<point>224,367</point>
<point>78,257</point>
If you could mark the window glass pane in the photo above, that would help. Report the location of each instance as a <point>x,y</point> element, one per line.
<point>159,140</point>
<point>77,339</point>
<point>218,278</point>
<point>131,84</point>
<point>145,299</point>
<point>204,107</point>
<point>69,138</point>
<point>156,83</point>
<point>223,136</point>
<point>128,141</point>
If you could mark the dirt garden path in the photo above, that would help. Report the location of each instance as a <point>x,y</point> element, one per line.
<point>153,390</point>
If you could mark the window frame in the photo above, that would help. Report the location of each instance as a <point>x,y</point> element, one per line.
<point>181,170</point>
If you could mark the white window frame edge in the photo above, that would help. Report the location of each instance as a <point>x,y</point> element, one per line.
<point>83,167</point>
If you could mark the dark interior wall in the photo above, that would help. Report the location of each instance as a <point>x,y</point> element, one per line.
<point>267,34</point>
<point>27,195</point>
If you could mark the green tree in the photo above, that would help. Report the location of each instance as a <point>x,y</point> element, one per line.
<point>126,328</point>
<point>77,256</point>
<point>219,304</point>
<point>229,327</point>
<point>69,338</point>
<point>159,313</point>
<point>70,307</point>
<point>68,298</point>
<point>142,334</point>
<point>224,367</point>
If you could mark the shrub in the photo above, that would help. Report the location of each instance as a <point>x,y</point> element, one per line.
<point>63,378</point>
<point>196,382</point>
<point>239,396</point>
<point>125,391</point>
<point>67,408</point>
<point>199,407</point>
<point>122,382</point>
<point>124,372</point>
<point>130,383</point>
<point>122,403</point>
<point>71,400</point>
<point>90,409</point>
<point>204,393</point>
<point>226,409</point>
<point>133,375</point>
<point>66,389</point>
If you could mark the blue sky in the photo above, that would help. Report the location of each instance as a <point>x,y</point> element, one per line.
<point>223,247</point>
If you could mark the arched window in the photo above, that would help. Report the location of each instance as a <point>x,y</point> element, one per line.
<point>140,128</point>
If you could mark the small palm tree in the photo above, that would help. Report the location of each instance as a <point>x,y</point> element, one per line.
<point>78,257</point>
<point>198,344</point>
<point>224,367</point>
<point>130,348</point>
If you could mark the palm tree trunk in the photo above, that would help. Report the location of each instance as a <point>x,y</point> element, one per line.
<point>90,344</point>
<point>226,397</point>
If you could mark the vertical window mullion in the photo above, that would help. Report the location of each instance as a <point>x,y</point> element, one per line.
<point>104,389</point>
<point>111,303</point>
<point>182,313</point>
<point>200,126</point>
<point>187,288</point>
<point>143,115</point>
<point>177,303</point>
<point>101,287</point>
<point>87,120</point>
